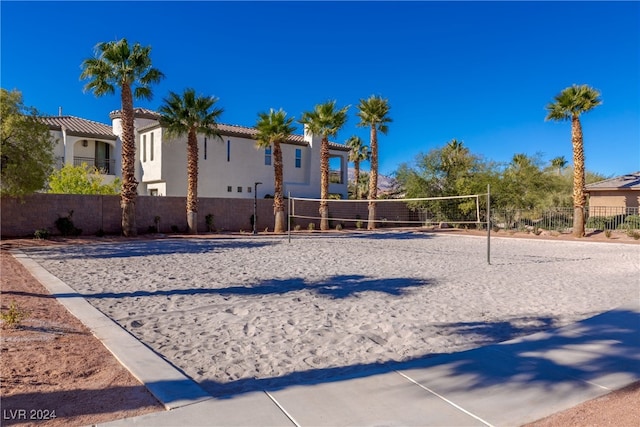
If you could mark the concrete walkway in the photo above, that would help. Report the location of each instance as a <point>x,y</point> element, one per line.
<point>506,384</point>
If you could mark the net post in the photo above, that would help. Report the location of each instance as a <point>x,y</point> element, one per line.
<point>489,224</point>
<point>289,218</point>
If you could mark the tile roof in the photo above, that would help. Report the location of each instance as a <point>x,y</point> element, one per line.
<point>227,129</point>
<point>142,113</point>
<point>79,127</point>
<point>630,181</point>
<point>243,131</point>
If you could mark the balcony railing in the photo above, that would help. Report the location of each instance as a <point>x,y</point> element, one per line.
<point>105,166</point>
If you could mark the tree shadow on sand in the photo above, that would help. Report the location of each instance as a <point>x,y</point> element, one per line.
<point>340,286</point>
<point>146,248</point>
<point>601,350</point>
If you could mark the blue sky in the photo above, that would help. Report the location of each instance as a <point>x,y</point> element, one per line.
<point>481,72</point>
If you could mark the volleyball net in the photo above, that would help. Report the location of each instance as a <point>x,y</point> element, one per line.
<point>468,210</point>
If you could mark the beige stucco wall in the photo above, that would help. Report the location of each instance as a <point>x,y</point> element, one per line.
<point>615,198</point>
<point>231,162</point>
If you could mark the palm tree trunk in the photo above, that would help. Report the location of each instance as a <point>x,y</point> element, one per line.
<point>579,199</point>
<point>324,184</point>
<point>356,167</point>
<point>129,188</point>
<point>278,199</point>
<point>192,182</point>
<point>373,179</point>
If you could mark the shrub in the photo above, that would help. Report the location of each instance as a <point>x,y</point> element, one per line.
<point>607,234</point>
<point>209,221</point>
<point>175,229</point>
<point>297,227</point>
<point>339,227</point>
<point>65,225</point>
<point>100,233</point>
<point>358,224</point>
<point>41,234</point>
<point>633,233</point>
<point>597,222</point>
<point>14,316</point>
<point>633,222</point>
<point>311,226</point>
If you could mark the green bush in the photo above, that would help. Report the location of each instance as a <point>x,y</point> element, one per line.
<point>14,316</point>
<point>41,234</point>
<point>598,222</point>
<point>209,221</point>
<point>632,222</point>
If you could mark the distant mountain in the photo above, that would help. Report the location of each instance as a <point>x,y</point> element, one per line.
<point>386,184</point>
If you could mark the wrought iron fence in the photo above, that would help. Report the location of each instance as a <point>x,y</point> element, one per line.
<point>561,219</point>
<point>105,166</point>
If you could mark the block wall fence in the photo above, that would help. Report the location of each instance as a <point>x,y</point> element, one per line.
<point>21,218</point>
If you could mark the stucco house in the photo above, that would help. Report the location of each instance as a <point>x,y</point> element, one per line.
<point>84,141</point>
<point>229,166</point>
<point>619,195</point>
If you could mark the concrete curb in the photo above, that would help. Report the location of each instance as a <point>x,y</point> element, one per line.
<point>168,384</point>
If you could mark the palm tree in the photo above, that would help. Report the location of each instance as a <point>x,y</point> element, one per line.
<point>454,155</point>
<point>568,105</point>
<point>559,163</point>
<point>325,121</point>
<point>359,152</point>
<point>520,161</point>
<point>116,64</point>
<point>373,113</point>
<point>275,128</point>
<point>191,115</point>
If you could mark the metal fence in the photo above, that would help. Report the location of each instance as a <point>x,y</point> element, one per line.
<point>561,219</point>
<point>105,166</point>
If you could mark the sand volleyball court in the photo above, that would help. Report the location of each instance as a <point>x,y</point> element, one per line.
<point>244,314</point>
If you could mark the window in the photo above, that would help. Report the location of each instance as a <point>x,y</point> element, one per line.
<point>298,157</point>
<point>267,156</point>
<point>144,148</point>
<point>205,148</point>
<point>229,189</point>
<point>335,170</point>
<point>153,191</point>
<point>248,189</point>
<point>151,148</point>
<point>239,189</point>
<point>228,150</point>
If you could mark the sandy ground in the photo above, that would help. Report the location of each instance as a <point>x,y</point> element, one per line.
<point>52,366</point>
<point>296,319</point>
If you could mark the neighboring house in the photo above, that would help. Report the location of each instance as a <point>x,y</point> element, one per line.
<point>228,167</point>
<point>81,141</point>
<point>618,194</point>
